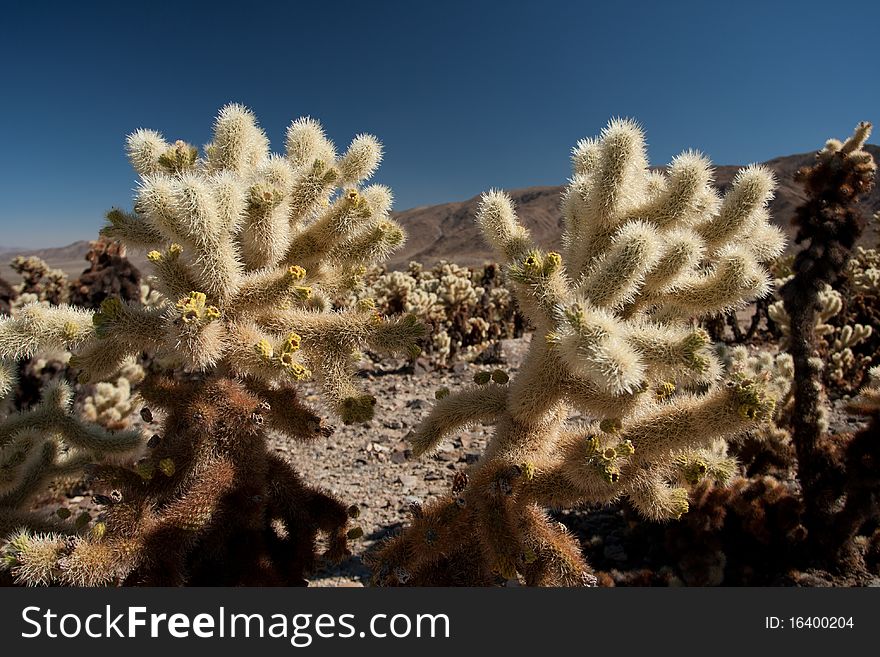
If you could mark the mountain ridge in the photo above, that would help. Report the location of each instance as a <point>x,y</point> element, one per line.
<point>448,231</point>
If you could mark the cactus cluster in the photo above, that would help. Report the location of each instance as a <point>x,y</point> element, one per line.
<point>39,281</point>
<point>110,275</point>
<point>467,310</point>
<point>247,248</point>
<point>645,252</point>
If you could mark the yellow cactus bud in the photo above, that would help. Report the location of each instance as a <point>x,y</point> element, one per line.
<point>264,349</point>
<point>292,343</point>
<point>296,273</point>
<point>500,377</point>
<point>193,308</point>
<point>625,448</point>
<point>145,469</point>
<point>167,467</point>
<point>529,556</point>
<point>482,378</point>
<point>70,331</point>
<point>528,470</point>
<point>355,533</point>
<point>98,531</point>
<point>154,256</point>
<point>442,393</point>
<point>592,444</point>
<point>665,390</point>
<point>552,262</point>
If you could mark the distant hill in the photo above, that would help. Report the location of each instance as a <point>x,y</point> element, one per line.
<point>448,231</point>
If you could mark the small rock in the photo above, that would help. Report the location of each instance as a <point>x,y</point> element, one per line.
<point>471,457</point>
<point>417,404</point>
<point>407,480</point>
<point>399,456</point>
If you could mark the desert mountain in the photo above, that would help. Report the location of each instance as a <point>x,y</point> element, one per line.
<point>449,232</point>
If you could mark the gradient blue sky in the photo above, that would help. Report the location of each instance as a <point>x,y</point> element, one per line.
<point>464,95</point>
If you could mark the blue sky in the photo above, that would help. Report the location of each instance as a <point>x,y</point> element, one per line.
<point>464,95</point>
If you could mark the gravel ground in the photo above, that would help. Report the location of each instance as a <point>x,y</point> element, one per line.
<point>370,464</point>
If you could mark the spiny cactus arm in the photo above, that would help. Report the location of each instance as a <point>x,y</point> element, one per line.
<point>341,219</point>
<point>690,421</point>
<point>335,371</point>
<point>541,286</point>
<point>270,288</point>
<point>310,192</point>
<point>36,327</point>
<point>397,335</point>
<point>653,497</point>
<point>52,417</point>
<point>743,207</point>
<point>173,277</point>
<point>691,466</point>
<point>736,279</point>
<point>95,561</point>
<point>32,558</point>
<point>287,414</point>
<point>19,451</point>
<point>375,243</point>
<point>684,195</point>
<point>30,477</point>
<point>608,183</point>
<point>671,351</point>
<point>498,530</point>
<point>305,142</point>
<point>592,344</point>
<point>457,410</point>
<point>551,555</point>
<point>360,161</point>
<point>271,357</point>
<point>120,330</point>
<point>587,396</point>
<point>497,218</point>
<point>682,252</point>
<point>239,143</point>
<point>131,229</point>
<point>439,529</point>
<point>145,149</point>
<point>8,377</point>
<point>617,275</point>
<point>197,508</point>
<point>198,213</point>
<point>266,233</point>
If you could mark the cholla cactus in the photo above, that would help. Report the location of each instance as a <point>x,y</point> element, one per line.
<point>40,280</point>
<point>766,449</point>
<point>246,248</point>
<point>112,403</point>
<point>467,309</point>
<point>644,253</point>
<point>43,444</point>
<point>830,220</point>
<point>110,274</point>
